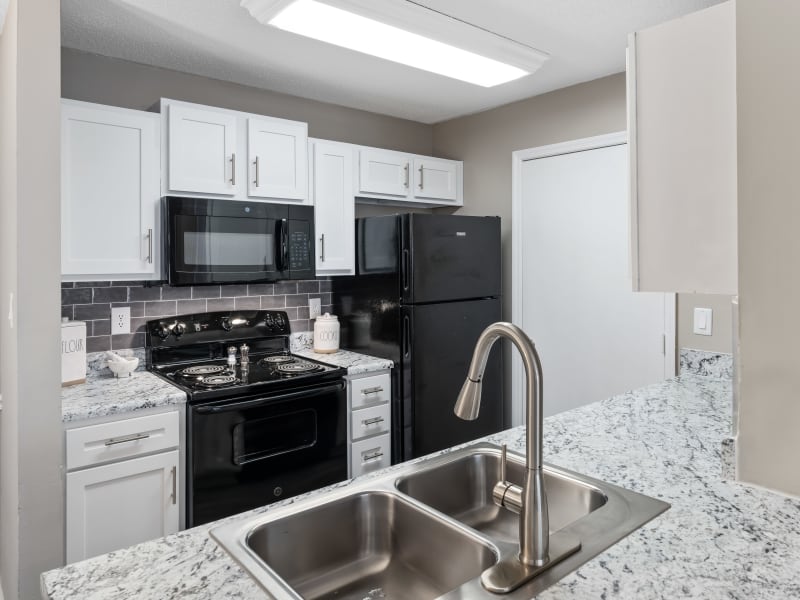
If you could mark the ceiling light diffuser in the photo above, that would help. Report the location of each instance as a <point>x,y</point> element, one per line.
<point>345,28</point>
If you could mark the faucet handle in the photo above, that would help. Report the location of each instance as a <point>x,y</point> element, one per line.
<point>503,462</point>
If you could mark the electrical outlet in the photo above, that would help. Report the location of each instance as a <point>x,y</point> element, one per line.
<point>314,308</point>
<point>121,320</point>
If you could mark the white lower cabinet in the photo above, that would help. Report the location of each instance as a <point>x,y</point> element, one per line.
<point>370,424</point>
<point>123,484</point>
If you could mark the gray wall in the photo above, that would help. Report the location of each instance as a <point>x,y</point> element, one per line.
<point>768,94</point>
<point>94,78</point>
<point>31,456</point>
<point>486,140</point>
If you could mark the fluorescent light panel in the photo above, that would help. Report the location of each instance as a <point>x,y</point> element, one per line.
<point>349,30</point>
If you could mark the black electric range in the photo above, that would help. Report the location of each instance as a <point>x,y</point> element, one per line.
<point>262,424</point>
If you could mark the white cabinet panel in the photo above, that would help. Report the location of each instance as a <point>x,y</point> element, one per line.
<point>683,153</point>
<point>369,421</point>
<point>202,151</point>
<point>334,207</point>
<point>121,504</point>
<point>109,191</point>
<point>369,455</point>
<point>277,164</point>
<point>435,178</point>
<point>366,391</point>
<point>384,172</point>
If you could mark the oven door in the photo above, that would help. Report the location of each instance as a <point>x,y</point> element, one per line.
<point>252,451</point>
<point>218,241</point>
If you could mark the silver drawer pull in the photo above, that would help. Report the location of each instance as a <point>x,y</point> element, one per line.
<point>374,421</point>
<point>128,438</point>
<point>375,454</point>
<point>373,390</point>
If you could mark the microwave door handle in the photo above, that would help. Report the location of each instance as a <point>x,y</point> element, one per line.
<point>264,400</point>
<point>282,245</point>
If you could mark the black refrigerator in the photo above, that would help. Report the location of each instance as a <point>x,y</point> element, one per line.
<point>425,288</point>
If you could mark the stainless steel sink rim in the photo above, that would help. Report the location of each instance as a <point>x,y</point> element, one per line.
<point>628,510</point>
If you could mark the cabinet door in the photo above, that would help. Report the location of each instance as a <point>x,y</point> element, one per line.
<point>121,504</point>
<point>109,191</point>
<point>277,159</point>
<point>384,172</point>
<point>435,178</point>
<point>202,151</point>
<point>334,219</point>
<point>683,140</point>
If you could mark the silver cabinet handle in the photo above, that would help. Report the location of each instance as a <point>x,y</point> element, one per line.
<point>322,247</point>
<point>373,421</point>
<point>406,169</point>
<point>420,177</point>
<point>128,438</point>
<point>257,178</point>
<point>376,453</point>
<point>373,390</point>
<point>174,485</point>
<point>233,168</point>
<point>150,246</point>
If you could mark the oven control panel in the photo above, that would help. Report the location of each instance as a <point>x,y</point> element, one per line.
<point>218,326</point>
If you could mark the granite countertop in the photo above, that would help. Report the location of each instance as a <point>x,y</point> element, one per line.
<point>720,539</point>
<point>104,395</point>
<point>354,362</point>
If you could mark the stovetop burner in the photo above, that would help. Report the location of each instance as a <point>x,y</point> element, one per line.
<point>200,370</point>
<point>216,381</point>
<point>297,367</point>
<point>276,360</point>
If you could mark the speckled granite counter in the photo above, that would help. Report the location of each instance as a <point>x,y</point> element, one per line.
<point>354,362</point>
<point>719,540</point>
<point>104,395</point>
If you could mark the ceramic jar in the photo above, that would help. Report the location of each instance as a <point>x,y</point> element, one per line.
<point>326,334</point>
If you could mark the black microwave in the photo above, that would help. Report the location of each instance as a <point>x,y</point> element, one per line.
<point>228,241</point>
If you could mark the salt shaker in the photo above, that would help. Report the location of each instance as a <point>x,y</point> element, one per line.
<point>232,358</point>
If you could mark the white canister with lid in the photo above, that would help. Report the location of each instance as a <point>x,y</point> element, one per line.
<point>326,334</point>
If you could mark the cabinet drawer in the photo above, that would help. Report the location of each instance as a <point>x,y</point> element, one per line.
<point>369,421</point>
<point>370,455</point>
<point>370,390</point>
<point>121,439</point>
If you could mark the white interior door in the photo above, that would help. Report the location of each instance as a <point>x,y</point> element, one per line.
<point>574,298</point>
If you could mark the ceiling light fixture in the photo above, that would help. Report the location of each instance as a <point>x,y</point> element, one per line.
<point>404,33</point>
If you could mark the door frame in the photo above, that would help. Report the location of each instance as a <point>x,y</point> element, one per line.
<point>518,157</point>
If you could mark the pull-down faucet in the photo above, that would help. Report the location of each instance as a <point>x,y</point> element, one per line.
<point>530,501</point>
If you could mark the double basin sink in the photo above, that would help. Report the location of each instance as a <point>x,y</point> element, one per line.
<point>426,530</point>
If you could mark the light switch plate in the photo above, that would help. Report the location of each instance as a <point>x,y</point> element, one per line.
<point>120,320</point>
<point>702,321</point>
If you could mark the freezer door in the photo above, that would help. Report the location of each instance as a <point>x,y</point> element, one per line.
<point>440,342</point>
<point>449,257</point>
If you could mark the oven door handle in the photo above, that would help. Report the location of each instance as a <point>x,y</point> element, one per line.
<point>261,401</point>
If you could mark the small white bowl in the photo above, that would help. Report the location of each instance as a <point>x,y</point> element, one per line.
<point>123,368</point>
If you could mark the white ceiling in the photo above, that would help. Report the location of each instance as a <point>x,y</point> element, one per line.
<point>586,39</point>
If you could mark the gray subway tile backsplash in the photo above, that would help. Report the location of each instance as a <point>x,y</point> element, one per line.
<point>91,301</point>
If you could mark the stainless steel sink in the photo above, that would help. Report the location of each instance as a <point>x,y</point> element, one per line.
<point>370,542</point>
<point>425,530</point>
<point>462,489</point>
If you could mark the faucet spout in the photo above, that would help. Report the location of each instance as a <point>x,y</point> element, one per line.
<point>534,526</point>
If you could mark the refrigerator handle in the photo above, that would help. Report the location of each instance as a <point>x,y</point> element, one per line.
<point>406,336</point>
<point>406,268</point>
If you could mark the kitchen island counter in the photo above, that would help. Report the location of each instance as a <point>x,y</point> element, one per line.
<point>720,539</point>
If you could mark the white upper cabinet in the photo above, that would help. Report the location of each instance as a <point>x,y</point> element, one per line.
<point>202,151</point>
<point>277,163</point>
<point>384,172</point>
<point>109,192</point>
<point>436,179</point>
<point>334,206</point>
<point>401,179</point>
<point>683,150</point>
<point>220,153</point>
